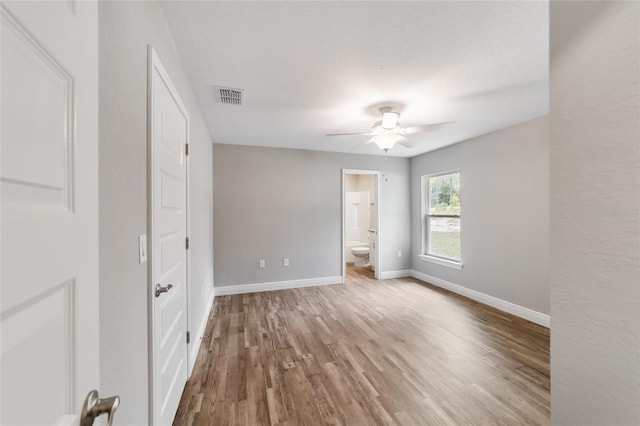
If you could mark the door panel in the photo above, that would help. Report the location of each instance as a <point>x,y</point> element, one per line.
<point>37,93</point>
<point>49,182</point>
<point>169,125</point>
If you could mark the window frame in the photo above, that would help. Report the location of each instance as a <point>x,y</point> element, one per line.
<point>426,222</point>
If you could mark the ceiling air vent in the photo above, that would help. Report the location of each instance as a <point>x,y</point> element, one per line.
<point>227,95</point>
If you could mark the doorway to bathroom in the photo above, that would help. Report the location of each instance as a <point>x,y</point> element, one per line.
<point>361,221</point>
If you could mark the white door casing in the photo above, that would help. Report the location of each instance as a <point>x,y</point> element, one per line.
<point>168,136</point>
<point>49,231</point>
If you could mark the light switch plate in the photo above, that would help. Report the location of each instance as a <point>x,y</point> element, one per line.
<point>142,248</point>
<point>262,263</point>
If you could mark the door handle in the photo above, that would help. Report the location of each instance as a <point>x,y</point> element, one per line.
<point>94,407</point>
<point>160,289</point>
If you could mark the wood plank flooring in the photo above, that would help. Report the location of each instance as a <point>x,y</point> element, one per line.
<point>392,352</point>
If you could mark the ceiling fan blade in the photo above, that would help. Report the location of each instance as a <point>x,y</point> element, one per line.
<point>407,143</point>
<point>349,134</point>
<point>423,128</point>
<point>361,145</point>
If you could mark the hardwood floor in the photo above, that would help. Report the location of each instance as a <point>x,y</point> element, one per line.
<point>397,352</point>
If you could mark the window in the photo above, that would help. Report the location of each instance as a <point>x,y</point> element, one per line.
<point>441,198</point>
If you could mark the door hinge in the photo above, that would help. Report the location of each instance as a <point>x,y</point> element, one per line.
<point>186,149</point>
<point>187,243</point>
<point>188,337</point>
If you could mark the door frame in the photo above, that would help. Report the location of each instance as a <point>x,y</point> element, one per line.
<point>378,261</point>
<point>155,64</point>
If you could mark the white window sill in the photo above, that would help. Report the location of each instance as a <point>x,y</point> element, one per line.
<point>444,262</point>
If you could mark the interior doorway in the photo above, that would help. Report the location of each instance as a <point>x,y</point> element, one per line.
<point>361,220</point>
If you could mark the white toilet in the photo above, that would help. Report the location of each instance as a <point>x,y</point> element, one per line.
<point>361,255</point>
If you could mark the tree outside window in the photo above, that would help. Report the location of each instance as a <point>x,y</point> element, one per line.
<point>442,215</point>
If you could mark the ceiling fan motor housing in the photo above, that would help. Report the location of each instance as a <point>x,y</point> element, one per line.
<point>389,118</point>
<point>379,129</point>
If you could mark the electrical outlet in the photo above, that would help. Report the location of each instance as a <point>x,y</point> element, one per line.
<point>263,263</point>
<point>285,262</point>
<point>399,253</point>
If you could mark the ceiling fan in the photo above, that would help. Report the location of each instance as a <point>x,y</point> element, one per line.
<point>387,132</point>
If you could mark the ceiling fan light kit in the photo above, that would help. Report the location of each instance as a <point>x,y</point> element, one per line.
<point>386,141</point>
<point>387,132</point>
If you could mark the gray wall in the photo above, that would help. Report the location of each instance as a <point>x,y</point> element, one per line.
<point>504,209</point>
<point>595,213</point>
<point>125,30</point>
<point>273,203</point>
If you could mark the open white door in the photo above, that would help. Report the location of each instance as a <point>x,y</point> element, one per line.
<point>169,134</point>
<point>49,175</point>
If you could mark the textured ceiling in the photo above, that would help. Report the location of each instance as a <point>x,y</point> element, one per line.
<point>312,68</point>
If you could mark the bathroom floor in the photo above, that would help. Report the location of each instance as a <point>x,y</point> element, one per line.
<point>393,352</point>
<point>359,272</point>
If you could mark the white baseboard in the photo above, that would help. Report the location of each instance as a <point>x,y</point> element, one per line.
<point>517,310</point>
<point>276,285</point>
<point>388,275</point>
<point>197,337</point>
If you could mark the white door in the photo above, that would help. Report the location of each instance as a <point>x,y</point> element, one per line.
<point>49,231</point>
<point>168,138</point>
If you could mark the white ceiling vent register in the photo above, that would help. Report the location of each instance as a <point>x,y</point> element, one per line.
<point>227,95</point>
